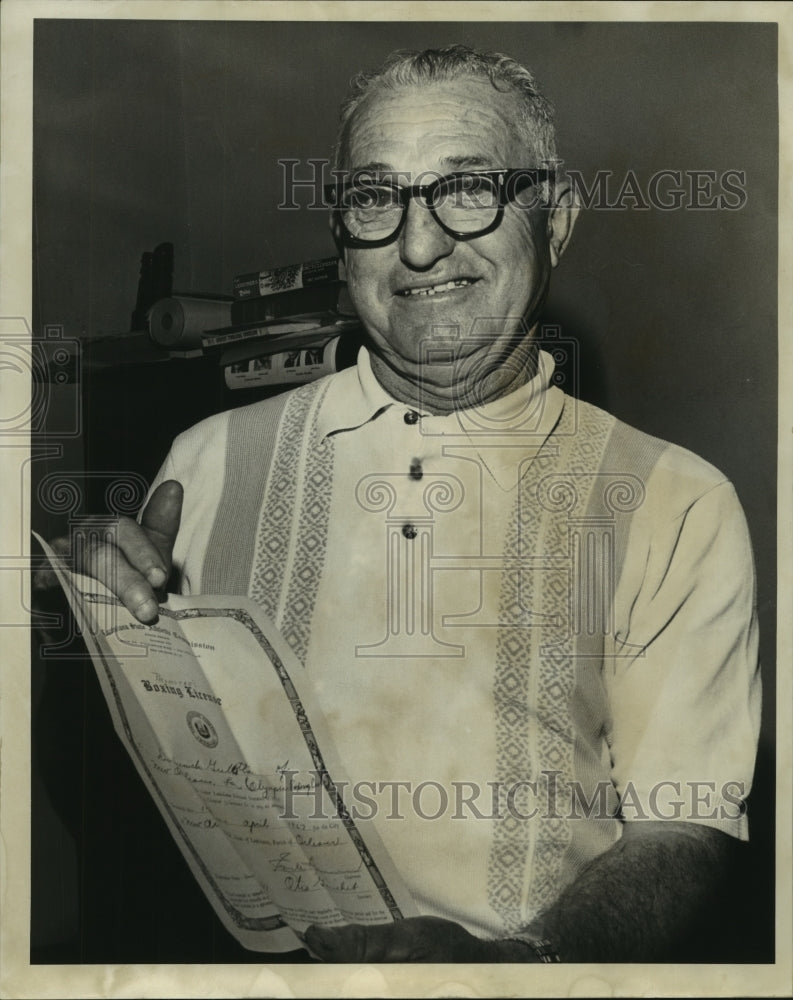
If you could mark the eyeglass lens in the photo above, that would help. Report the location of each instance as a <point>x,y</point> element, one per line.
<point>464,203</point>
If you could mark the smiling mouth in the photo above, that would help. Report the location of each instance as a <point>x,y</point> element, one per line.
<point>427,291</point>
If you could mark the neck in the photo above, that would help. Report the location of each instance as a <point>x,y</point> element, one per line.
<point>441,397</point>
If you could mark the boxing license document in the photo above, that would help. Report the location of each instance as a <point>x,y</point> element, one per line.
<point>213,708</point>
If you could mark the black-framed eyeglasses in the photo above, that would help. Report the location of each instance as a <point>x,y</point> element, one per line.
<point>372,209</point>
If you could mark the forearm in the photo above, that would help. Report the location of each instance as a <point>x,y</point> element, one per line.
<point>643,898</point>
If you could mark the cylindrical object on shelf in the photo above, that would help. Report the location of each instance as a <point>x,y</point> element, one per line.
<point>182,320</point>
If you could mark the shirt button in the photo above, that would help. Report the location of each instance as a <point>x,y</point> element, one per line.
<point>416,471</point>
<point>411,417</point>
<point>409,530</point>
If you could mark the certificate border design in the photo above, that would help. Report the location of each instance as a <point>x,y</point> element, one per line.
<point>301,717</point>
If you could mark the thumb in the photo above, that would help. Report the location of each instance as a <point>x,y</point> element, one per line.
<point>161,516</point>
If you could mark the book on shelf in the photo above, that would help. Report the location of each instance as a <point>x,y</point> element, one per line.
<point>261,347</point>
<point>224,335</point>
<point>304,328</point>
<point>213,341</point>
<point>288,278</point>
<point>332,297</point>
<point>245,367</point>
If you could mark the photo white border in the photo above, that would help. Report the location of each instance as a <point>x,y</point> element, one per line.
<point>18,979</point>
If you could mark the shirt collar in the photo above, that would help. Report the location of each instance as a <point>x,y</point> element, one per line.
<point>502,431</point>
<point>354,398</point>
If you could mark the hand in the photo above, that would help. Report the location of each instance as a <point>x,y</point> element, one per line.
<point>133,559</point>
<point>418,939</point>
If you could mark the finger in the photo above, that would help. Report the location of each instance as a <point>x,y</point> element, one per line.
<point>416,940</point>
<point>148,546</point>
<point>391,943</point>
<point>143,550</point>
<point>337,944</point>
<point>422,939</point>
<point>105,561</point>
<point>161,517</point>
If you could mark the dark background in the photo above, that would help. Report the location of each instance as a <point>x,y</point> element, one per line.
<point>152,131</point>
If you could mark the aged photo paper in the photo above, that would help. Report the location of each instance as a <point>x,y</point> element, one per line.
<point>160,864</point>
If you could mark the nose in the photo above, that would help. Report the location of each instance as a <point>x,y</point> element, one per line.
<point>422,242</point>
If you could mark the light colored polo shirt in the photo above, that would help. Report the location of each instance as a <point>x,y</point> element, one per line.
<point>527,623</point>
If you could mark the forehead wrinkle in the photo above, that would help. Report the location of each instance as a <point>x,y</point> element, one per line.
<point>449,152</point>
<point>373,167</point>
<point>428,101</point>
<point>465,113</point>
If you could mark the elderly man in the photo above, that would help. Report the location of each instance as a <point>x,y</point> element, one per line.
<point>495,589</point>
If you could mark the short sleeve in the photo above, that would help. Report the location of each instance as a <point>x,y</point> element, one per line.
<point>167,471</point>
<point>685,692</point>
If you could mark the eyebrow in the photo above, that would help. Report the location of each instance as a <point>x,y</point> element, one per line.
<point>468,162</point>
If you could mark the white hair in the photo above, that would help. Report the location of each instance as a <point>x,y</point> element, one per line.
<point>405,68</point>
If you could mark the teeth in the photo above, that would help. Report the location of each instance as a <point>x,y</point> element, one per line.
<point>454,283</point>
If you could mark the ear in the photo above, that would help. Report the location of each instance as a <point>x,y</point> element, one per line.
<point>561,218</point>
